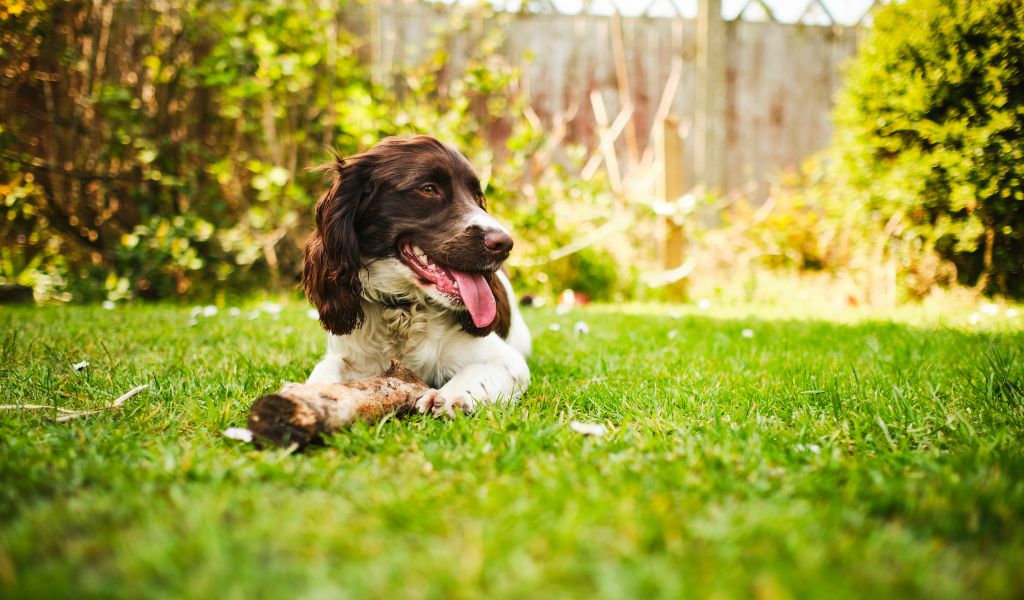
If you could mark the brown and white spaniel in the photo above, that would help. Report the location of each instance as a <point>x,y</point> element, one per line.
<point>405,263</point>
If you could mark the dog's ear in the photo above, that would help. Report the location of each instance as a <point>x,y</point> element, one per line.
<point>502,315</point>
<point>330,272</point>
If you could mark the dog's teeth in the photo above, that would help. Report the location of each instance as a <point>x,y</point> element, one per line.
<point>418,252</point>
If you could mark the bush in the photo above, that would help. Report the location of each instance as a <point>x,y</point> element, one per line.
<point>172,158</point>
<point>153,149</point>
<point>929,135</point>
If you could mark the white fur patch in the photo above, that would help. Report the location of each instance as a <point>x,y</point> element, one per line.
<point>484,221</point>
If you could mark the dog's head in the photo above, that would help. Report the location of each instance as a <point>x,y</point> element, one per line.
<point>406,221</point>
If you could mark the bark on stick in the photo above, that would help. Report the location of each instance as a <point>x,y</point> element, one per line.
<point>301,412</point>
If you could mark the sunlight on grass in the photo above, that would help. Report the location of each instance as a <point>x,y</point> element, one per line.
<point>870,453</point>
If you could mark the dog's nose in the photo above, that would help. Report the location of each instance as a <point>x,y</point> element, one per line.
<point>497,241</point>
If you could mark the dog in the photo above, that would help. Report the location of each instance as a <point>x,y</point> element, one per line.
<point>405,262</point>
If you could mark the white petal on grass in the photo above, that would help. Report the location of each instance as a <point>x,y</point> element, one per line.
<point>594,429</point>
<point>974,318</point>
<point>240,434</point>
<point>254,315</point>
<point>234,311</point>
<point>78,366</point>
<point>196,311</point>
<point>747,333</point>
<point>271,308</point>
<point>554,327</point>
<point>581,328</point>
<point>703,304</point>
<point>989,309</point>
<point>1011,313</point>
<point>108,304</point>
<point>313,313</point>
<point>672,334</point>
<point>192,323</point>
<point>812,448</point>
<point>209,310</point>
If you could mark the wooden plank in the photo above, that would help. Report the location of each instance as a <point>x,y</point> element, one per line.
<point>671,188</point>
<point>710,114</point>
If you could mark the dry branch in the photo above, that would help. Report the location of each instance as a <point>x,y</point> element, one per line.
<point>301,412</point>
<point>68,414</point>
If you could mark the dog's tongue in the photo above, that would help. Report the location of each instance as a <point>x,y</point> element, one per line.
<point>477,297</point>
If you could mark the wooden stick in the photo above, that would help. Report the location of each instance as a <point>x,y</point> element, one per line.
<point>302,412</point>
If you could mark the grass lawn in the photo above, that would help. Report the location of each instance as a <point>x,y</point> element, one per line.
<point>863,455</point>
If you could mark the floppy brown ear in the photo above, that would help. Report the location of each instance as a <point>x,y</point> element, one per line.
<point>330,272</point>
<point>502,317</point>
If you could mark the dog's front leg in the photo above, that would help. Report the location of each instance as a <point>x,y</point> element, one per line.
<point>501,377</point>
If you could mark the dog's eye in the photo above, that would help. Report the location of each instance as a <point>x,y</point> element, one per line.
<point>429,189</point>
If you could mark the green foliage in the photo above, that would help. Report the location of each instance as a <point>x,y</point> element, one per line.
<point>810,224</point>
<point>169,153</point>
<point>929,132</point>
<point>168,150</point>
<point>593,272</point>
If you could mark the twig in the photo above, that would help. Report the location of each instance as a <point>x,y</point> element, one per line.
<point>664,278</point>
<point>570,248</point>
<point>35,407</point>
<point>625,93</point>
<point>74,414</point>
<point>668,95</point>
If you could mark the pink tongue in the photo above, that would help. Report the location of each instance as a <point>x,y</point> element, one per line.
<point>477,296</point>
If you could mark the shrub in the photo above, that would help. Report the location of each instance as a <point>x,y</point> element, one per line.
<point>929,135</point>
<point>155,149</point>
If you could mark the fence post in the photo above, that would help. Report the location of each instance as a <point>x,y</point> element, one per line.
<point>710,124</point>
<point>670,188</point>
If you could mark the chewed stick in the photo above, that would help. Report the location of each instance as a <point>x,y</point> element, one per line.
<point>301,412</point>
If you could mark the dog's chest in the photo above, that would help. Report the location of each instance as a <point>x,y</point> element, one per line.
<point>415,337</point>
<point>403,328</point>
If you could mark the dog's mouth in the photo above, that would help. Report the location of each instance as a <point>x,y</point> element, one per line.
<point>469,288</point>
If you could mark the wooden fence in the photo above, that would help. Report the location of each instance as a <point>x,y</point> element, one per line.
<point>751,98</point>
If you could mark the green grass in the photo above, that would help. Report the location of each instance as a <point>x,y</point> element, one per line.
<point>864,455</point>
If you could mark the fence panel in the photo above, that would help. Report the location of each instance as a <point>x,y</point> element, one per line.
<point>780,78</point>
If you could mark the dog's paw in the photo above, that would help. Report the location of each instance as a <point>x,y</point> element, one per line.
<point>442,404</point>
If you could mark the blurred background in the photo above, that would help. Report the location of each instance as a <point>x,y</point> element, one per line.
<point>851,152</point>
